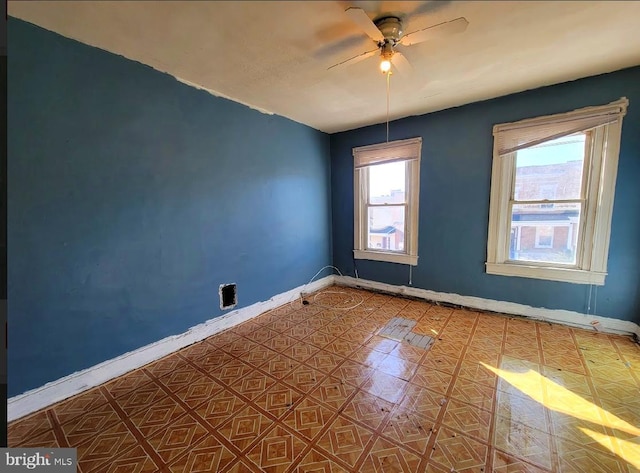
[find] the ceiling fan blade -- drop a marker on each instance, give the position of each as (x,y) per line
(433,32)
(355,59)
(360,18)
(401,63)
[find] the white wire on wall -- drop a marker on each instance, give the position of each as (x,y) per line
(353,299)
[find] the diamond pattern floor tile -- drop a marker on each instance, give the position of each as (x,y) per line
(126,384)
(157,416)
(368,356)
(212,362)
(277,450)
(301,351)
(367,409)
(333,392)
(397,367)
(304,378)
(134,460)
(279,366)
(381,344)
(386,456)
(205,456)
(477,394)
(258,355)
(427,403)
(308,418)
(522,409)
(280,343)
(184,376)
(446,364)
(431,379)
(84,427)
(458,452)
(353,373)
(386,386)
(318,462)
(253,384)
(575,457)
(45,439)
(141,398)
(177,438)
(199,391)
(529,444)
(79,405)
(166,365)
(324,361)
(345,440)
(244,428)
(504,463)
(105,446)
(196,351)
(468,419)
(27,428)
(313,390)
(220,407)
(409,429)
(278,400)
(478,373)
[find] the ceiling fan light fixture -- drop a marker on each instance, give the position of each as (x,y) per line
(386,53)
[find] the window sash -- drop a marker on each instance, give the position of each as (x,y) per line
(366,156)
(404,227)
(586,178)
(602,147)
(407,171)
(579,242)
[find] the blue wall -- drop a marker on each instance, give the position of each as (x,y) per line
(132,197)
(454,199)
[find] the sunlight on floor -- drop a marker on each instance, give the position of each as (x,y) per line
(560,399)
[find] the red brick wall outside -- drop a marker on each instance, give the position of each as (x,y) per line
(565,178)
(528,238)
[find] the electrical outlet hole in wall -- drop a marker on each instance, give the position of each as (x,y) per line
(228,296)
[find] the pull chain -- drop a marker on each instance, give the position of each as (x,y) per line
(388,94)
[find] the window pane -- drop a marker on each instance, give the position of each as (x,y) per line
(387,183)
(545,232)
(552,170)
(386,228)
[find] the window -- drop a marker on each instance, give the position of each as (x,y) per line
(386,193)
(544,236)
(552,190)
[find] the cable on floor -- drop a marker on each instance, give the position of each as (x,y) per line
(352,299)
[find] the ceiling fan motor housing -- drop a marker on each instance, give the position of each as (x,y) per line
(391,29)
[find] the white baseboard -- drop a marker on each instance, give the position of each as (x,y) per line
(565,317)
(63,388)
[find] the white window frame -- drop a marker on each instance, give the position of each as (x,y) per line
(601,165)
(408,151)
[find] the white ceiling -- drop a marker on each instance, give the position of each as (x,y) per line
(273,56)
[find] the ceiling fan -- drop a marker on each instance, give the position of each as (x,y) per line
(387,32)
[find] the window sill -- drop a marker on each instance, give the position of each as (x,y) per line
(387,257)
(576,276)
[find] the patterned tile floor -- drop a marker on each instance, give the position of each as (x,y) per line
(308,389)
